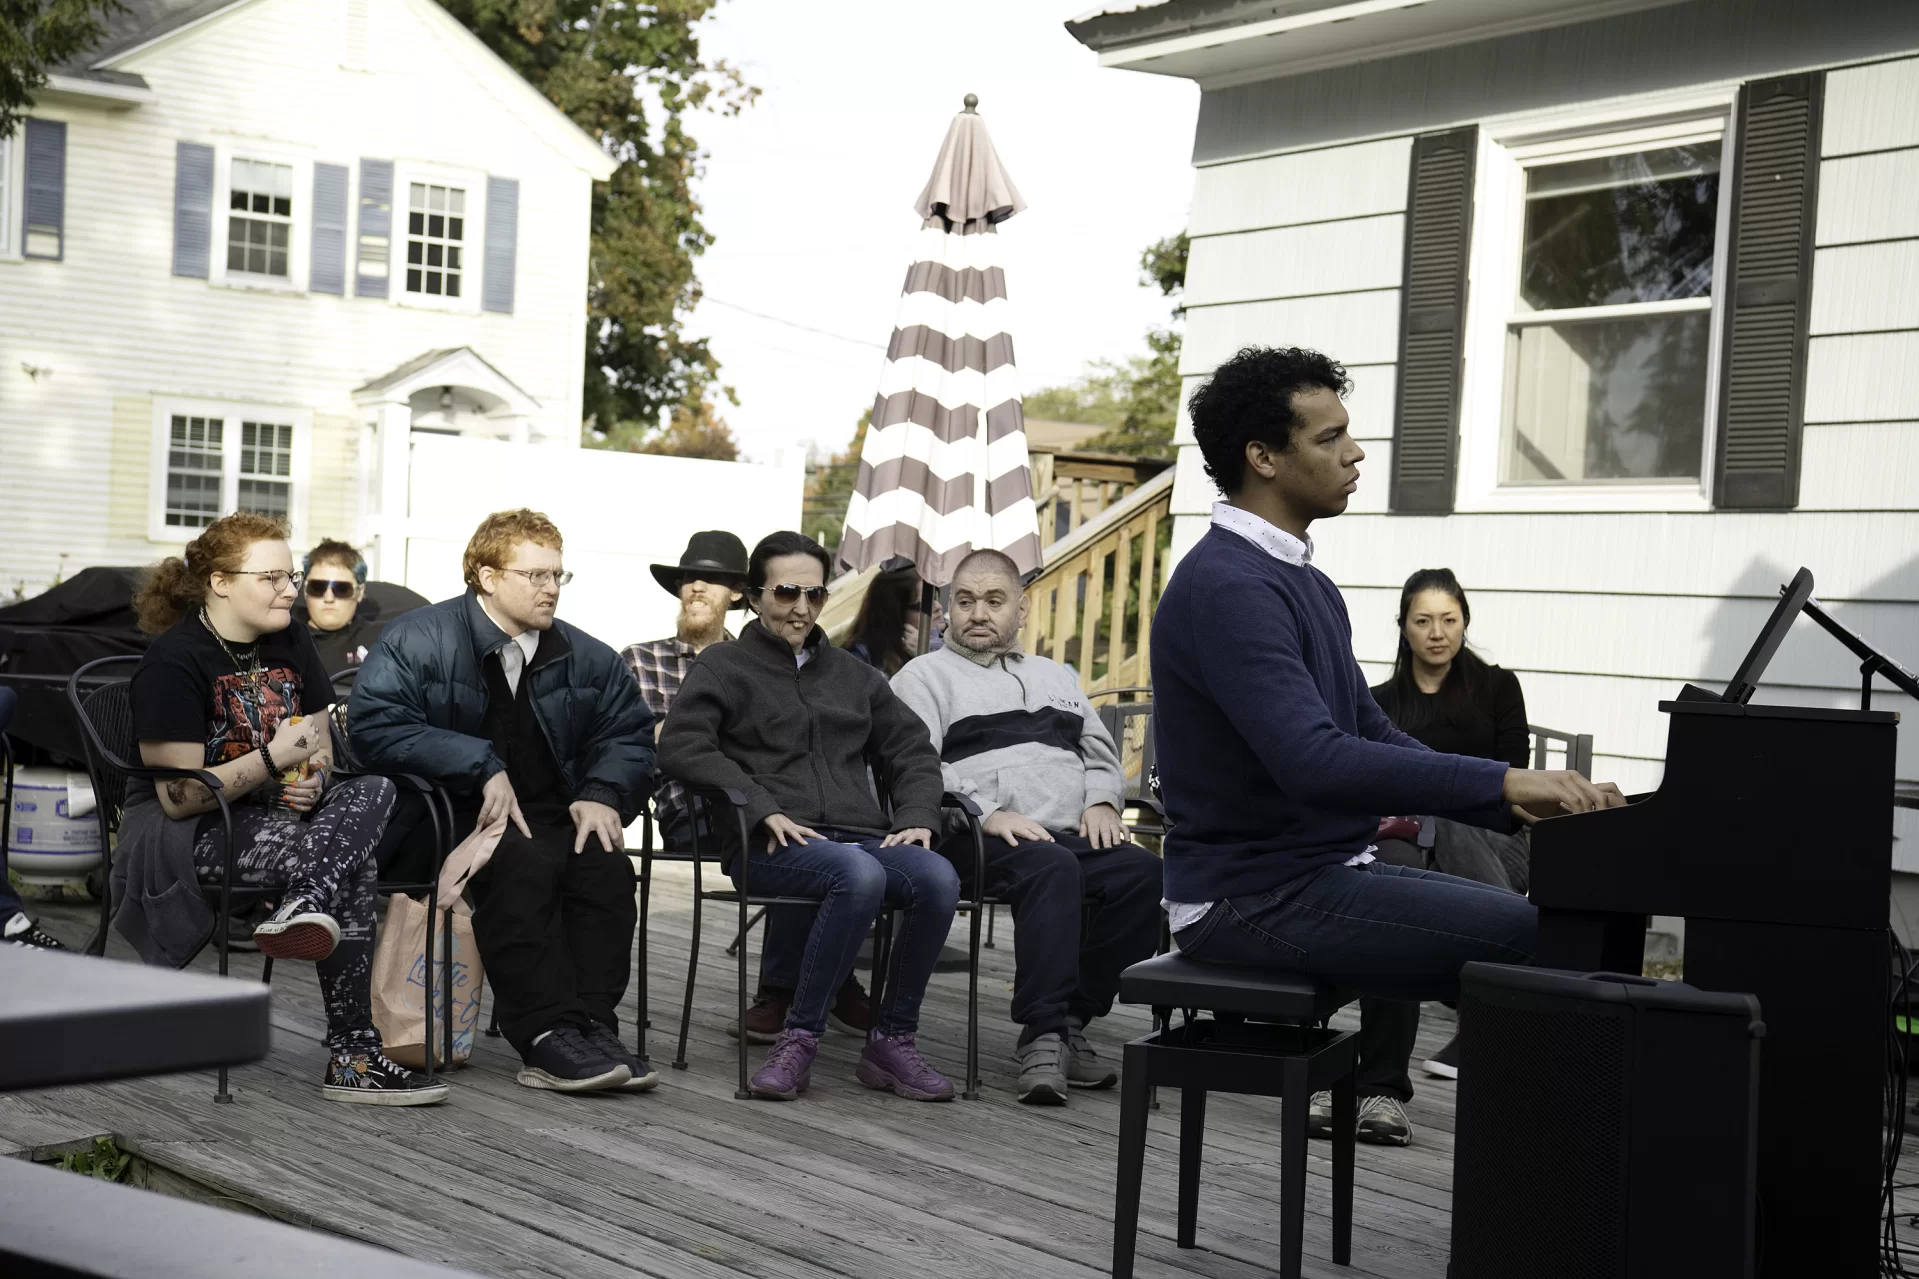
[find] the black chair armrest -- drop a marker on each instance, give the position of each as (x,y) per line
(731,794)
(202,775)
(965,803)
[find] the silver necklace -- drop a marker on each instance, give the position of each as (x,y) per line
(248,670)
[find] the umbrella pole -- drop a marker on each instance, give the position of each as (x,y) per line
(926,618)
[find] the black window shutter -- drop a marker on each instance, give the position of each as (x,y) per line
(1432,320)
(1768,288)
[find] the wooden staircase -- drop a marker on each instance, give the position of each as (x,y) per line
(1092,603)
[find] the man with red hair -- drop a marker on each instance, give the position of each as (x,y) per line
(527,719)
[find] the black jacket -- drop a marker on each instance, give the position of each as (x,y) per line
(798,739)
(419,706)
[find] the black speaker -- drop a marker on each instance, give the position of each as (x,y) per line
(1606,1127)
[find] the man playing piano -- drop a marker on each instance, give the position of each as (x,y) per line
(1276,764)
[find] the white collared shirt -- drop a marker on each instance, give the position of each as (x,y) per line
(518,655)
(1287,549)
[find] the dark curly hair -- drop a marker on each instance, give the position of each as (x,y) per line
(1250,397)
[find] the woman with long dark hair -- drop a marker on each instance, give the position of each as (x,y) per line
(232,684)
(1453,700)
(886,632)
(1442,692)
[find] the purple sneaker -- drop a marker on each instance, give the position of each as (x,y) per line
(895,1063)
(789,1066)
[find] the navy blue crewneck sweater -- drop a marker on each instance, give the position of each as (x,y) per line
(1274,760)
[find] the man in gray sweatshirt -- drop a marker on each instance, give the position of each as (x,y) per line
(1016,734)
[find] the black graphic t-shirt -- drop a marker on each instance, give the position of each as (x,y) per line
(187,689)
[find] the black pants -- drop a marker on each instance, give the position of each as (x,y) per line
(406,851)
(1062,970)
(555,930)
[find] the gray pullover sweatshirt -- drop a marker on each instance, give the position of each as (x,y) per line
(1016,733)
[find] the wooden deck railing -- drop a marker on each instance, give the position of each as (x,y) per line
(1092,604)
(1071,490)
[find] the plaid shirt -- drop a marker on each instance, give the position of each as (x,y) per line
(660,666)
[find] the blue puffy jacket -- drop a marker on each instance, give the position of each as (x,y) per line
(419,706)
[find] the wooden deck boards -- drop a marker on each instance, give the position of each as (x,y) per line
(688,1183)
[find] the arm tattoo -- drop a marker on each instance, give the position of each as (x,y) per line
(185,792)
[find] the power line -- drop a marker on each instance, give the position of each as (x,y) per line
(792,324)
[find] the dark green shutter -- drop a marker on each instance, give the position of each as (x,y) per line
(1768,288)
(1432,320)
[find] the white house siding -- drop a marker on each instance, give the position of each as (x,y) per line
(1604,614)
(118,329)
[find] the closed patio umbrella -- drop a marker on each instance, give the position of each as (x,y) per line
(943,471)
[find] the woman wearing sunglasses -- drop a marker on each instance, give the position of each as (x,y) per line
(232,684)
(794,723)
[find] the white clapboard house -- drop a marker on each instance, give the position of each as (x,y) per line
(1629,291)
(248,248)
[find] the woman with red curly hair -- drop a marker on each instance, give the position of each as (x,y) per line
(232,684)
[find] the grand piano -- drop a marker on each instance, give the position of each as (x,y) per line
(1771,834)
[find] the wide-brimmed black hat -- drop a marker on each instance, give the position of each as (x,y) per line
(714,555)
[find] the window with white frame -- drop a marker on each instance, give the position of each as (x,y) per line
(259,217)
(1609,338)
(435,239)
(214,462)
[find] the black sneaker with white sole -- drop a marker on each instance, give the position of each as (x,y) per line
(607,1041)
(1444,1064)
(562,1060)
(371,1079)
(18,930)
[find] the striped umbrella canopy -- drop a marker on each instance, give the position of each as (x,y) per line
(944,470)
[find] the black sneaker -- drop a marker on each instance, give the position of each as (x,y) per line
(21,931)
(562,1060)
(607,1041)
(370,1079)
(1444,1064)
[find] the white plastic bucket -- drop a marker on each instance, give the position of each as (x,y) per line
(47,844)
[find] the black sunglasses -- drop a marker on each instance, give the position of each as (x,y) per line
(787,593)
(319,588)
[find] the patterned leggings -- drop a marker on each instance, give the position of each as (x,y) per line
(328,860)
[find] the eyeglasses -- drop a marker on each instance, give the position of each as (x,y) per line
(543,577)
(787,593)
(279,579)
(319,588)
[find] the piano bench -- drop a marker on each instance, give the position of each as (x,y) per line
(1267,1037)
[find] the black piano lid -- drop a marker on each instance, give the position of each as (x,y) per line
(1757,710)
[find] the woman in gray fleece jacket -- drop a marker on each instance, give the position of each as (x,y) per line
(794,722)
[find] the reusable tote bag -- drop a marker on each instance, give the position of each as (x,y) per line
(400,977)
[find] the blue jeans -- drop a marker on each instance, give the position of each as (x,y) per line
(854,877)
(1394,932)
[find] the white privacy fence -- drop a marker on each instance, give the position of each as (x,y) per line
(619,512)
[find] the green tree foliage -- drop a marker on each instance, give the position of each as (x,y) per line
(829,487)
(1135,399)
(36,35)
(693,429)
(629,74)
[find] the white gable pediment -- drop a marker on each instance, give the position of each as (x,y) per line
(405,68)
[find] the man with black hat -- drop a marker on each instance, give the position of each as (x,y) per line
(709,581)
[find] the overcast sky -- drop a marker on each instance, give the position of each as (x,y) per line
(810,191)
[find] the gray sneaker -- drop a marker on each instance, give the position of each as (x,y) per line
(1084,1067)
(1383,1122)
(1319,1115)
(1042,1071)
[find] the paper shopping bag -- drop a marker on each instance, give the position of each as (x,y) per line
(401,978)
